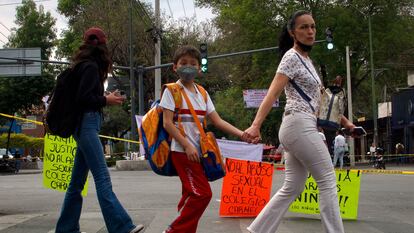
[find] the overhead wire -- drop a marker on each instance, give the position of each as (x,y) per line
(4,35)
(195,14)
(182,3)
(145,12)
(19,3)
(169,7)
(5,26)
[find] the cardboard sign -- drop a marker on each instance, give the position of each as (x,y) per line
(58,159)
(348,186)
(246,188)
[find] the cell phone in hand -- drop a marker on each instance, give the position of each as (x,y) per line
(358,131)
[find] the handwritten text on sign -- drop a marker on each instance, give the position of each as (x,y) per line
(348,185)
(246,188)
(59,156)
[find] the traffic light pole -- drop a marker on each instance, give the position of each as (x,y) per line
(350,113)
(133,135)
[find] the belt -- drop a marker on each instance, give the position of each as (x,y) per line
(289,112)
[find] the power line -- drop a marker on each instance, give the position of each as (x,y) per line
(4,35)
(5,27)
(145,11)
(2,41)
(195,14)
(138,12)
(169,7)
(182,3)
(19,3)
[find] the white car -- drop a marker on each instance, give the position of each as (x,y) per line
(3,153)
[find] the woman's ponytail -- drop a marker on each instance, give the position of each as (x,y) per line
(285,39)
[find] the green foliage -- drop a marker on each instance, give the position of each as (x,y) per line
(115,120)
(18,93)
(250,24)
(35,29)
(21,141)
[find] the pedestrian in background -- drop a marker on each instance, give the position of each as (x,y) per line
(339,149)
(305,150)
(372,151)
(322,134)
(93,64)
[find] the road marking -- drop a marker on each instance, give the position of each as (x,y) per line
(11,220)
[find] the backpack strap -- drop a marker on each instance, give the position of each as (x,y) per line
(204,94)
(175,90)
(194,114)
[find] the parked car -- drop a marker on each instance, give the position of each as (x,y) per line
(3,154)
(270,154)
(7,163)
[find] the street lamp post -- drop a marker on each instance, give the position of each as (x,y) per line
(374,105)
(371,62)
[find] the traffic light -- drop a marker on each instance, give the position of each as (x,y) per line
(329,38)
(204,58)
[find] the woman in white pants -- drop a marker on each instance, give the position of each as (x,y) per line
(305,150)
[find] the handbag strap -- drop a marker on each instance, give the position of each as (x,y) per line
(310,72)
(299,90)
(196,120)
(302,93)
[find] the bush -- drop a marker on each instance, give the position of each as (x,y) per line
(21,141)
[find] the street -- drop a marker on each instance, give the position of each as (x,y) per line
(386,205)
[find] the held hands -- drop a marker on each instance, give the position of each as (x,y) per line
(251,135)
(114,98)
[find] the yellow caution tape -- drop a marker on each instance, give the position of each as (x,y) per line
(372,171)
(20,118)
(41,123)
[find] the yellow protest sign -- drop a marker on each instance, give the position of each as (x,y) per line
(348,186)
(246,188)
(58,159)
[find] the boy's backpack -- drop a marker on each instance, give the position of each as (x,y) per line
(62,114)
(155,138)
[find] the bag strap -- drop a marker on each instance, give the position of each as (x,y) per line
(304,64)
(196,120)
(204,94)
(302,93)
(299,90)
(175,90)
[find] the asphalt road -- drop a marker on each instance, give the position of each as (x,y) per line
(386,205)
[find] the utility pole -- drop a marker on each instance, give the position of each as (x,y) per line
(132,81)
(157,29)
(374,105)
(350,113)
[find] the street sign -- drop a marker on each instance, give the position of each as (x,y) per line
(15,68)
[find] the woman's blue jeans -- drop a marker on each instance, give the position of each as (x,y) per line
(90,156)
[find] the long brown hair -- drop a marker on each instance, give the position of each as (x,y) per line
(98,53)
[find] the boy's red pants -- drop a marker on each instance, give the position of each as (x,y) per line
(196,194)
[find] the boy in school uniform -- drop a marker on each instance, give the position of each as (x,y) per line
(185,146)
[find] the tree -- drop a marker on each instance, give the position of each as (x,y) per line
(250,24)
(35,29)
